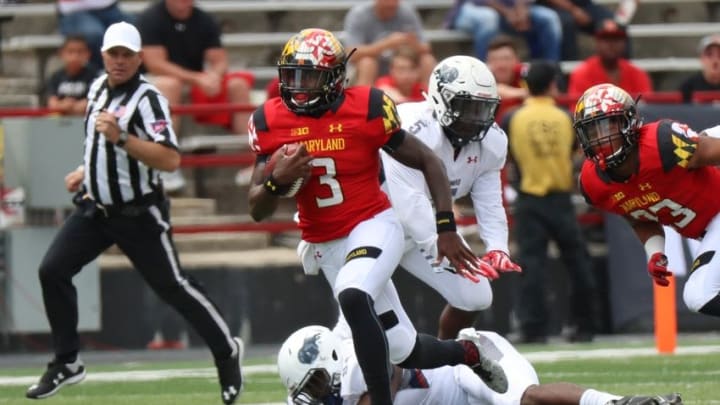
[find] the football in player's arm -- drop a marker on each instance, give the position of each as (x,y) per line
(346,221)
(654,174)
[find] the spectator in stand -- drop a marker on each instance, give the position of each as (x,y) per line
(403,82)
(504,63)
(376,29)
(484,19)
(709,78)
(608,65)
(183,52)
(90,18)
(68,86)
(542,144)
(577,15)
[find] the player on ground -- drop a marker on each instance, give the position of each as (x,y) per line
(457,123)
(653,175)
(345,218)
(319,366)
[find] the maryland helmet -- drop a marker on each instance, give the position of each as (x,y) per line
(311,70)
(310,365)
(463,93)
(607,124)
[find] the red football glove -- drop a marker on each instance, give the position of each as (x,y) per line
(657,267)
(500,261)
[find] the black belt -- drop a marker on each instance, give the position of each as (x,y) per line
(91,208)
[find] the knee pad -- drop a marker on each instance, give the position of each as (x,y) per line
(711,307)
(354,301)
(400,337)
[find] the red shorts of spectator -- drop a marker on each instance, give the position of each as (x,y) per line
(220,118)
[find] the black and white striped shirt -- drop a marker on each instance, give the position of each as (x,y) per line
(112,177)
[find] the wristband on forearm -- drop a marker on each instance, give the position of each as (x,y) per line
(445,221)
(272,186)
(654,244)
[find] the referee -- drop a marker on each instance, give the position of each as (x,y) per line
(128,140)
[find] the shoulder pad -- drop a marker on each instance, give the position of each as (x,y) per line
(676,144)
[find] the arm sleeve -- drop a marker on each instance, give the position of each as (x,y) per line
(155,119)
(486,195)
(409,197)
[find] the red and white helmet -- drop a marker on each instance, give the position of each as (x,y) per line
(311,69)
(607,124)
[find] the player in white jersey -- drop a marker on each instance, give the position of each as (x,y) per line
(457,123)
(318,366)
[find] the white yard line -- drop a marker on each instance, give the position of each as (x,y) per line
(534,357)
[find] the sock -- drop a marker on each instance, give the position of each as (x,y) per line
(67,358)
(430,352)
(593,397)
(369,341)
(471,353)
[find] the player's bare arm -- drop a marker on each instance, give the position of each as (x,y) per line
(645,229)
(288,168)
(707,152)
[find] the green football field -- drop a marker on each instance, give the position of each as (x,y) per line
(618,367)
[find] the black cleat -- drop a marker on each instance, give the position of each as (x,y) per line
(669,399)
(55,377)
(230,375)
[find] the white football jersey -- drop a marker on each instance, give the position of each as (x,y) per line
(475,171)
(457,385)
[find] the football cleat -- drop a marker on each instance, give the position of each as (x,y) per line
(489,370)
(669,399)
(230,375)
(55,377)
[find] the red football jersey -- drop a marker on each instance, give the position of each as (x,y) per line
(344,189)
(663,190)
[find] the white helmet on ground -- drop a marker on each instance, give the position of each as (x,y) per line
(310,365)
(463,93)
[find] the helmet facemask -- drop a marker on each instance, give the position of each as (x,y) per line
(607,140)
(467,118)
(318,387)
(308,89)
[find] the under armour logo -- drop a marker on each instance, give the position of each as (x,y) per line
(472,159)
(645,186)
(335,127)
(229,393)
(318,255)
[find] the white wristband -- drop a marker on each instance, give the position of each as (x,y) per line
(713,132)
(654,244)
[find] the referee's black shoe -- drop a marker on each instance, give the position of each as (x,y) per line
(55,377)
(230,375)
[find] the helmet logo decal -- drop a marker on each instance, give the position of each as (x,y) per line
(603,100)
(447,74)
(318,48)
(309,351)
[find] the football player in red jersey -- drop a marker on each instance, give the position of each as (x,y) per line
(654,174)
(346,220)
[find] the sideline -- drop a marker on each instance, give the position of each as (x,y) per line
(533,357)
